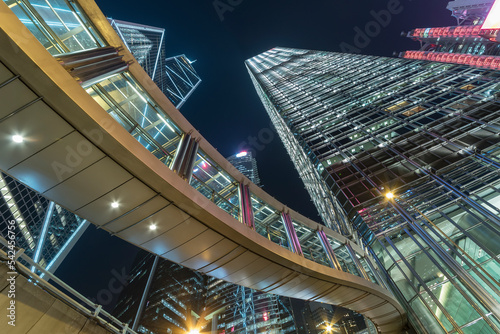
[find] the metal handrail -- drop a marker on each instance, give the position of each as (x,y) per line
(90,310)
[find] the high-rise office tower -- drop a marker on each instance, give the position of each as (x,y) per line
(181,79)
(236,309)
(319,318)
(147,45)
(404,154)
(246,164)
(175,76)
(161,297)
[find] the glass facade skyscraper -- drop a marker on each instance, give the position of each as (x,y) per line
(45,230)
(147,45)
(181,79)
(246,164)
(175,76)
(161,297)
(405,156)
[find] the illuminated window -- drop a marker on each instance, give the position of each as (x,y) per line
(397,106)
(413,111)
(468,87)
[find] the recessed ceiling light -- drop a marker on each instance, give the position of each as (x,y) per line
(17,139)
(114,205)
(152,227)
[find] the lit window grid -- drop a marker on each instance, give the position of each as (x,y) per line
(125,100)
(366,144)
(17,215)
(59,24)
(482,178)
(23,202)
(330,211)
(434,281)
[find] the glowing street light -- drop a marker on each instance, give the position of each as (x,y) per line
(389,195)
(194,331)
(329,328)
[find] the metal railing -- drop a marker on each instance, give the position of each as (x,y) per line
(79,302)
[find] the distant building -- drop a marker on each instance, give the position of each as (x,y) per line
(324,319)
(246,164)
(161,297)
(175,76)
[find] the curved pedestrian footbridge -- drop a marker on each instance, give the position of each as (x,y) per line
(83,124)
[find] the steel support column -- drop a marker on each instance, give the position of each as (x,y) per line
(145,294)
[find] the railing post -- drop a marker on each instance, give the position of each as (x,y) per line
(356,262)
(330,254)
(246,208)
(379,278)
(293,240)
(185,157)
(92,66)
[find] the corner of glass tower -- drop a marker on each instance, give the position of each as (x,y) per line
(404,152)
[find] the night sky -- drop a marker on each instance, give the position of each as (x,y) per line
(225,108)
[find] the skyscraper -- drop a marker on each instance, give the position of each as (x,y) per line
(161,297)
(175,76)
(404,154)
(246,164)
(181,79)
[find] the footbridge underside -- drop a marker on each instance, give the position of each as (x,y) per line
(77,155)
